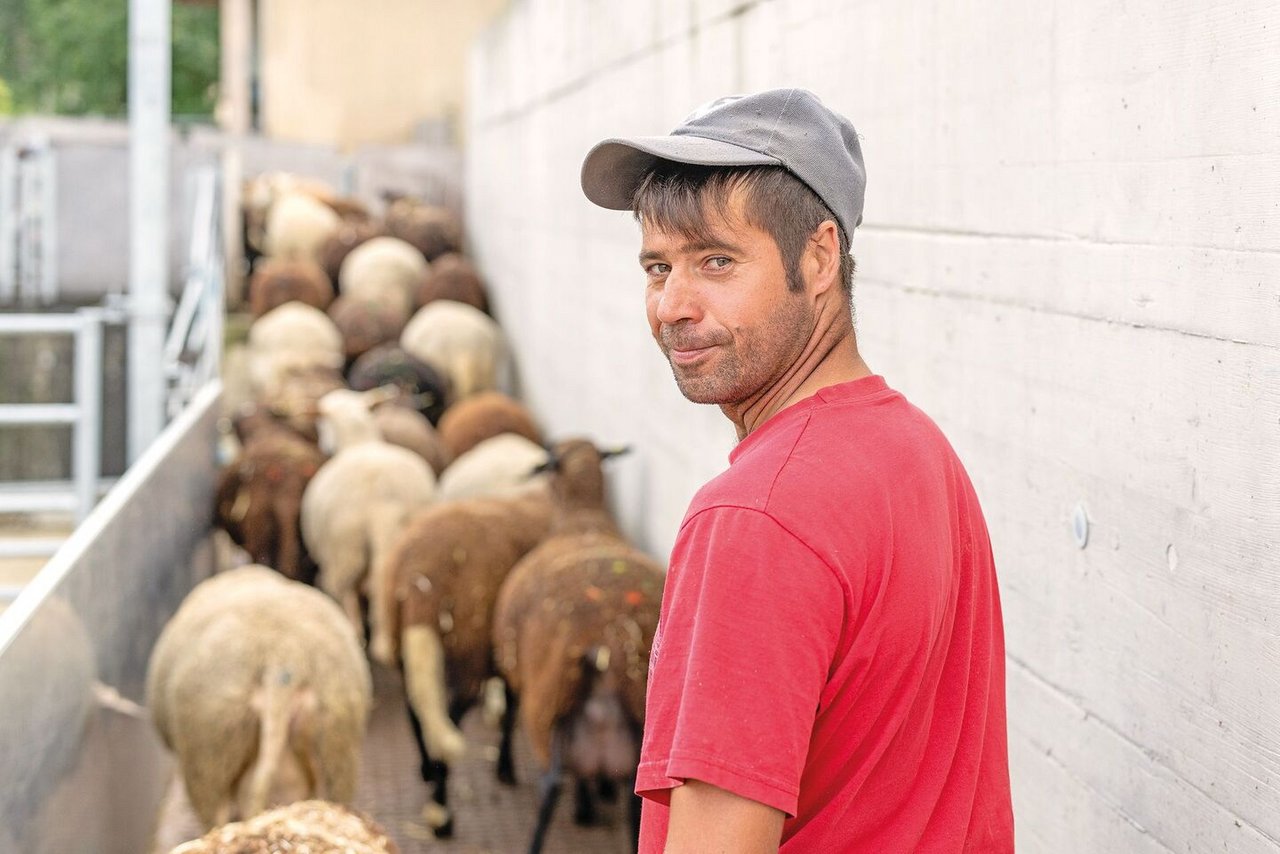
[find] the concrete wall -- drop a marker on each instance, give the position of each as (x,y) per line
(1070,258)
(346,74)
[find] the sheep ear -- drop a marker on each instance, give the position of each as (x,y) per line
(552,463)
(606,453)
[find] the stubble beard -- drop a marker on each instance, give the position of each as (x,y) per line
(747,367)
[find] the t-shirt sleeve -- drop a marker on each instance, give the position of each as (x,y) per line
(751,622)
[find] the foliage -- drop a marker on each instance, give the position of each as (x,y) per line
(71,56)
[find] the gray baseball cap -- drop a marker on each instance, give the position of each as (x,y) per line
(779,127)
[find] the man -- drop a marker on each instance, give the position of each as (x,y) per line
(828,674)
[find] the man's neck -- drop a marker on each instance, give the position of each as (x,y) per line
(830,358)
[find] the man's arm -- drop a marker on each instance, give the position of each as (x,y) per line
(709,820)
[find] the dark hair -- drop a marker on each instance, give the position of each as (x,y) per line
(674,197)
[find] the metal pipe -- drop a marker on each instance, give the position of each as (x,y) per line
(29,414)
(8,224)
(149,96)
(86,465)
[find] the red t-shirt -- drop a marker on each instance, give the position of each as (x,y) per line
(830,642)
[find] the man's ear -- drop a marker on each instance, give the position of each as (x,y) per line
(822,257)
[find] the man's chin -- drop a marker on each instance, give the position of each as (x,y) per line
(699,389)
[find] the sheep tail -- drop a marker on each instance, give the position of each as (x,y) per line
(274,702)
(386,521)
(425,685)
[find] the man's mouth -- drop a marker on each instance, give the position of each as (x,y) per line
(687,355)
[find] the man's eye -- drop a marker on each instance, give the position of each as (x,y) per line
(658,269)
(719,262)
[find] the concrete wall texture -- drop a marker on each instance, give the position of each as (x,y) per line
(1070,259)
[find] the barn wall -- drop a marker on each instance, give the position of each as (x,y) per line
(1070,258)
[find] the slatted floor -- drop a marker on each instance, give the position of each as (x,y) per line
(489,818)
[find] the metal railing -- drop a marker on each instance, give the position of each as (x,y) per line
(28,223)
(83,414)
(193,348)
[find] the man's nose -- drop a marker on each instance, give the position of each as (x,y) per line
(679,298)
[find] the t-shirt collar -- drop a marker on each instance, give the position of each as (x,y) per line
(838,393)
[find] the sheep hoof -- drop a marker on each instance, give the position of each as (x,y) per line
(438,819)
(381,651)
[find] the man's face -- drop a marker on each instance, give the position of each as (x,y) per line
(720,309)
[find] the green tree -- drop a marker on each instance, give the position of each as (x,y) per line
(71,56)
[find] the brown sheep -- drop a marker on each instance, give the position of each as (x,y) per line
(446,570)
(453,277)
(364,324)
(401,424)
(483,416)
(434,230)
(276,282)
(338,246)
(572,630)
(259,496)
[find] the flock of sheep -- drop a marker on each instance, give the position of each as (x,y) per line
(386,489)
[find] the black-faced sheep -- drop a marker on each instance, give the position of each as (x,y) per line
(482,416)
(461,342)
(259,495)
(453,277)
(305,827)
(389,364)
(358,502)
(276,282)
(572,630)
(446,570)
(260,688)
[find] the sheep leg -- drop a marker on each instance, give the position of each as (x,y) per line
(436,775)
(506,755)
(549,787)
(607,787)
(584,804)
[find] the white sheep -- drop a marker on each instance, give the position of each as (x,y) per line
(461,341)
(291,337)
(297,225)
(357,503)
(260,688)
(385,271)
(302,827)
(502,465)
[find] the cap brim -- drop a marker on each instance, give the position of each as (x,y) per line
(613,169)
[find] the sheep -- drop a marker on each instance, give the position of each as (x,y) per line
(260,688)
(433,230)
(453,277)
(276,282)
(483,416)
(291,337)
(318,826)
(389,364)
(497,466)
(364,324)
(259,494)
(446,569)
(338,245)
(357,503)
(259,193)
(297,226)
(385,270)
(402,425)
(572,630)
(460,341)
(296,398)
